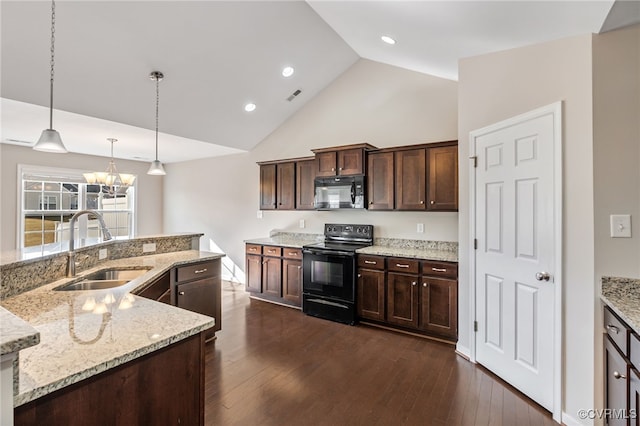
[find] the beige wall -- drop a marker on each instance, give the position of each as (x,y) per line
(498,86)
(149,188)
(372,102)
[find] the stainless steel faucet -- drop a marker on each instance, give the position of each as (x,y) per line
(106,236)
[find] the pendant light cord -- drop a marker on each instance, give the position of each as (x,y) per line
(53,41)
(157,106)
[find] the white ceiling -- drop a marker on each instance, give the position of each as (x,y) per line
(216,56)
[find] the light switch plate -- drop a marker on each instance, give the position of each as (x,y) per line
(620,225)
(102,254)
(149,247)
(301,223)
(259,214)
(420,228)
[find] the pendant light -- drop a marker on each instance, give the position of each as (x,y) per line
(113,181)
(50,140)
(156,167)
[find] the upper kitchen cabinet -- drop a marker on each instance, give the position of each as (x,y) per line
(277,185)
(305,174)
(443,178)
(347,160)
(411,179)
(380,174)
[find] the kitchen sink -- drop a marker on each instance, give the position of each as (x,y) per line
(104,279)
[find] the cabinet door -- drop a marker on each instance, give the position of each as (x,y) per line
(305,193)
(254,273)
(402,299)
(158,290)
(439,306)
(380,181)
(198,296)
(634,397)
(326,163)
(350,162)
(616,373)
(411,179)
(268,187)
(443,178)
(371,294)
(292,280)
(272,276)
(286,180)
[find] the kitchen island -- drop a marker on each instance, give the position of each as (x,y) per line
(109,356)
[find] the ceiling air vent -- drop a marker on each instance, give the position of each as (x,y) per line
(293,95)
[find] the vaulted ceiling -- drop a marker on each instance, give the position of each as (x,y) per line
(217,56)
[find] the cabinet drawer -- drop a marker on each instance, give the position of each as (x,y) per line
(291,253)
(616,329)
(370,262)
(254,249)
(272,251)
(440,269)
(634,349)
(197,270)
(399,264)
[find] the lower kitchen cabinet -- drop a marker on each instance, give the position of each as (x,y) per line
(413,295)
(275,275)
(616,373)
(195,287)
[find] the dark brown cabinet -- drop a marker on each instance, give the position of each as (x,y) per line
(268,187)
(371,287)
(341,161)
(410,182)
(274,273)
(292,275)
(305,174)
(418,296)
(380,178)
(616,373)
(198,289)
(195,287)
(286,180)
(442,180)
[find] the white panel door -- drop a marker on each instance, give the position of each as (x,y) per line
(515,232)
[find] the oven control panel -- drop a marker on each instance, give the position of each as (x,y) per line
(348,232)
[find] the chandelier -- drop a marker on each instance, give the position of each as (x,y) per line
(110,179)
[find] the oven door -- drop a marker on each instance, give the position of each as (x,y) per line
(329,274)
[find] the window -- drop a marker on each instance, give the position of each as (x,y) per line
(50,197)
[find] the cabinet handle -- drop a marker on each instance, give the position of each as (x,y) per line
(613,328)
(333,169)
(271,251)
(252,249)
(421,202)
(299,267)
(370,202)
(439,269)
(370,262)
(181,293)
(424,284)
(359,275)
(264,262)
(340,168)
(293,253)
(401,265)
(414,283)
(432,202)
(618,375)
(199,271)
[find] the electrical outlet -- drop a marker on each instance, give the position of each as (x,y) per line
(149,247)
(420,228)
(259,214)
(102,254)
(620,225)
(301,223)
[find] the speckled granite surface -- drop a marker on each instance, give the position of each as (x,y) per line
(416,249)
(287,239)
(623,296)
(83,333)
(21,274)
(15,334)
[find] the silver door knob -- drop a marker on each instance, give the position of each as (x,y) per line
(542,276)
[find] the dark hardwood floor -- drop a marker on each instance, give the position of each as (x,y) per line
(273,365)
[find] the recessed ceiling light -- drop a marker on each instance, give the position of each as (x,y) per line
(388,39)
(250,107)
(287,71)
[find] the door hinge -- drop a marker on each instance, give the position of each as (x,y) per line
(475,244)
(475,160)
(475,326)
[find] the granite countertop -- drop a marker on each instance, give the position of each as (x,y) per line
(623,296)
(83,333)
(287,240)
(15,334)
(414,253)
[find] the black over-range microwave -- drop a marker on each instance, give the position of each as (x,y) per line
(339,192)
